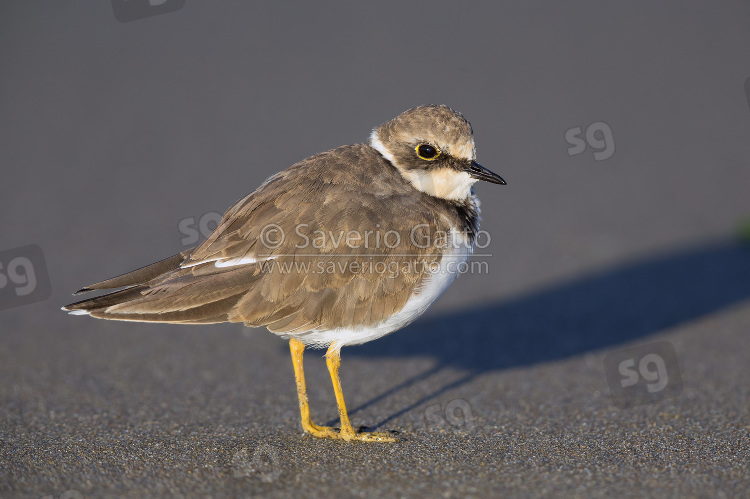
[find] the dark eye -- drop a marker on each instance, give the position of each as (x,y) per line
(428,152)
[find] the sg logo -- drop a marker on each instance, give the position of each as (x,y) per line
(598,136)
(206,225)
(23,277)
(643,374)
(457,414)
(656,380)
(132,10)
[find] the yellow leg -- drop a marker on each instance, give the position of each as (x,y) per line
(297,348)
(333,360)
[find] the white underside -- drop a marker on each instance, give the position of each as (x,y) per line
(433,287)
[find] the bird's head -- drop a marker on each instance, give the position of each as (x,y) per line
(433,148)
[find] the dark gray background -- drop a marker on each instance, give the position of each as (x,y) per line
(111,133)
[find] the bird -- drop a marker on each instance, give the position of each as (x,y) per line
(339,249)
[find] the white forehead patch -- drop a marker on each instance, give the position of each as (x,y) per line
(464,150)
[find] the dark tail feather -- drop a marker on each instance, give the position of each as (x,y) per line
(138,276)
(164,292)
(210,313)
(104,301)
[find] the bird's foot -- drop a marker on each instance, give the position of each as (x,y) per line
(320,431)
(348,434)
(372,436)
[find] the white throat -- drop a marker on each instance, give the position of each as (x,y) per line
(443,183)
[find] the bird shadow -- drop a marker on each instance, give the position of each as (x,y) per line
(598,311)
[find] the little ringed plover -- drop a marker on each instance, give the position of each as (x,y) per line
(339,249)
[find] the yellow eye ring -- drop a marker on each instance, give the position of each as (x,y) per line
(427,152)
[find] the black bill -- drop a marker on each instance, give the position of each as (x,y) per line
(479,172)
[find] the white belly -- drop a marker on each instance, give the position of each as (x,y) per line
(432,288)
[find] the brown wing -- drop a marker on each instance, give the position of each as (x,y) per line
(310,249)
